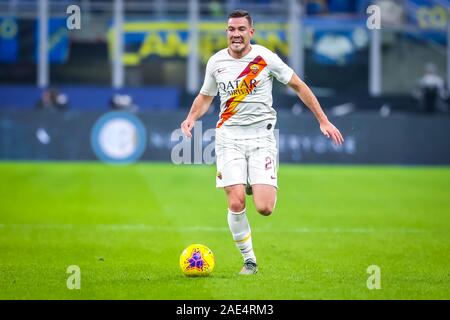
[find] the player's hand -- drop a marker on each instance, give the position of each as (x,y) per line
(330,131)
(186,127)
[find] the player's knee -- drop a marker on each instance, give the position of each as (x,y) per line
(265,209)
(237,204)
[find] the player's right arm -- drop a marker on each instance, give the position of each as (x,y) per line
(203,100)
(199,107)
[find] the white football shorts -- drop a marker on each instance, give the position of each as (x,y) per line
(242,161)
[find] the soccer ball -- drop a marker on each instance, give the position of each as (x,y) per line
(197,260)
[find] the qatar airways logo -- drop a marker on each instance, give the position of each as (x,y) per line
(233,88)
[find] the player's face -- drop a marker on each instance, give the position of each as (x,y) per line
(239,34)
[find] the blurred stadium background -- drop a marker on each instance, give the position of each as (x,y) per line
(148,57)
(116,89)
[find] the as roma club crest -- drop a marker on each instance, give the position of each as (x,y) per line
(254,68)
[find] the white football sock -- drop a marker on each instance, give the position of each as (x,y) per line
(240,229)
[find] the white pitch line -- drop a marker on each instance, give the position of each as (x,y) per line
(148,227)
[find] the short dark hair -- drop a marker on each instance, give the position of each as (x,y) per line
(241,14)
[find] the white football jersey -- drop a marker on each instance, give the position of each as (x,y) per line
(245,88)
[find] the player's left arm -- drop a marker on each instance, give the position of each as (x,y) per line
(309,99)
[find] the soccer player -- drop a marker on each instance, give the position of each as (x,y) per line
(246,149)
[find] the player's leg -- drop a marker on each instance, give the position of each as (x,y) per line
(263,174)
(235,197)
(240,227)
(232,176)
(265,198)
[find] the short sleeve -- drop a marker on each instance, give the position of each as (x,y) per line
(209,87)
(280,70)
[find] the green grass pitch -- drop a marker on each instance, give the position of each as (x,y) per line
(125,227)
